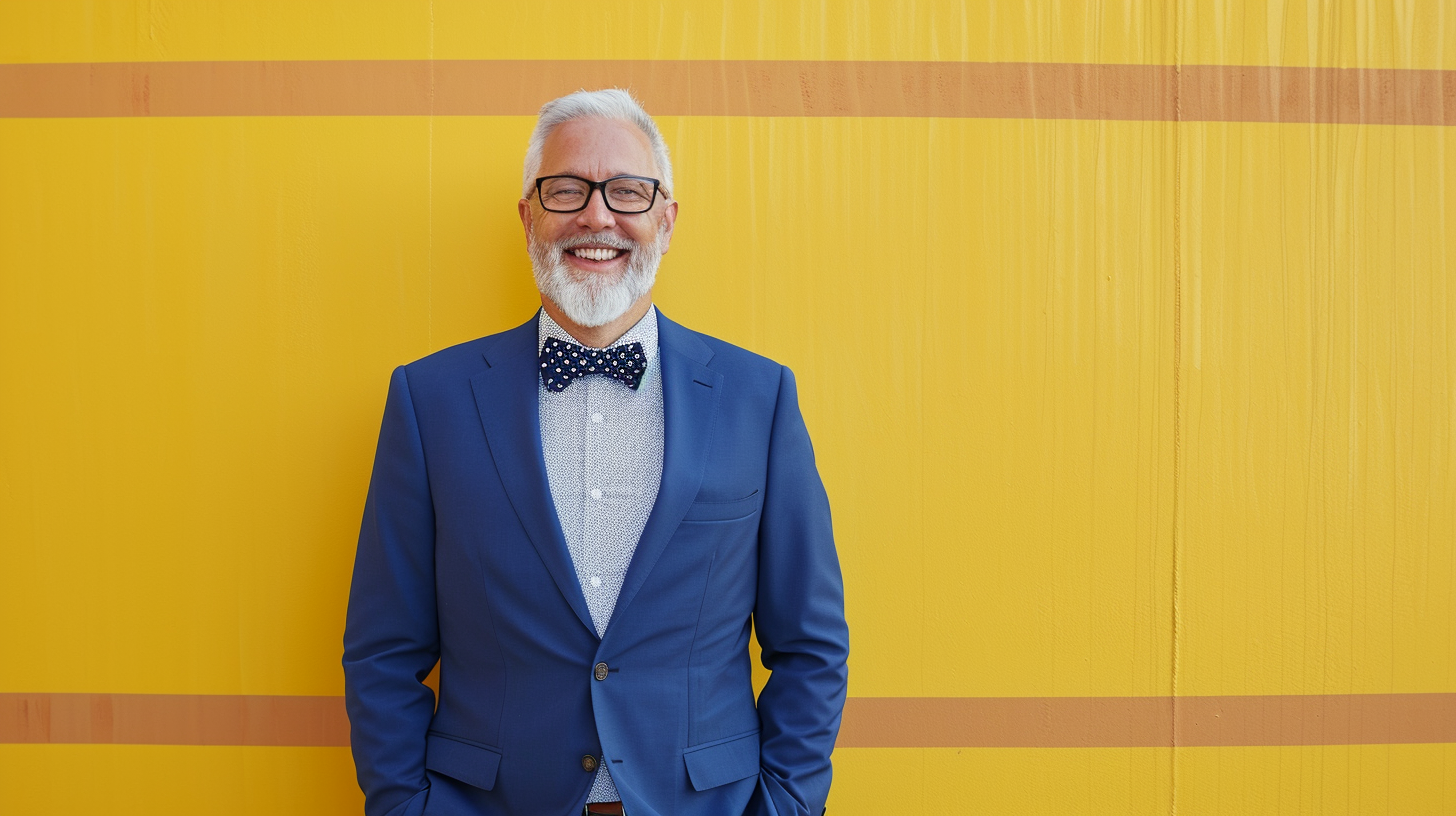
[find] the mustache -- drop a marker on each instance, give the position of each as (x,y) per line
(599,238)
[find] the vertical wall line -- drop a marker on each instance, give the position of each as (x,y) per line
(430,196)
(1175,538)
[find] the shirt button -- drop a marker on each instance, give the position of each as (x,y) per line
(596,494)
(596,417)
(588,763)
(596,581)
(600,671)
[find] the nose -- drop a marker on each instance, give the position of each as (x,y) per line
(596,216)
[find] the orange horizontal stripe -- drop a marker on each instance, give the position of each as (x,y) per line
(869,722)
(173,719)
(1003,90)
(1147,722)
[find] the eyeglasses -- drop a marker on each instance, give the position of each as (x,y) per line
(622,194)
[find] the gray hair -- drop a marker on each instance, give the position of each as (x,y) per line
(610,103)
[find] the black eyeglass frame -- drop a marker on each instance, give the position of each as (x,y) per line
(601,187)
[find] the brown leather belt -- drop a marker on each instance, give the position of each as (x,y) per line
(603,808)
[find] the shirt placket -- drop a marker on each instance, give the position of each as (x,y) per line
(595,498)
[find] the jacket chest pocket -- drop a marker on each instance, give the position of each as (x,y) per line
(724,510)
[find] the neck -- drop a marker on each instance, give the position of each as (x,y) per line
(605,334)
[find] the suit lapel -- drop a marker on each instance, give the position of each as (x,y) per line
(507,399)
(690,393)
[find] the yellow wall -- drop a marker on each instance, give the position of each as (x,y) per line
(1158,408)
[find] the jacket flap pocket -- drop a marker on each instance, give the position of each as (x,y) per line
(723,511)
(721,762)
(470,763)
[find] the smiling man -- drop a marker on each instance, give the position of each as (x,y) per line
(581,520)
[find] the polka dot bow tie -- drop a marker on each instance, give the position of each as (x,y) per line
(563,362)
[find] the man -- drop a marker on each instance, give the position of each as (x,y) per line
(578,518)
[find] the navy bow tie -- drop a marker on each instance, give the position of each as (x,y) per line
(563,362)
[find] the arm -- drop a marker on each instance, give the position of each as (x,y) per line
(391,638)
(799,620)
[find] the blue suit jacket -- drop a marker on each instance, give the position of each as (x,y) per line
(461,560)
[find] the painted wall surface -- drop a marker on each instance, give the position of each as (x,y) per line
(1149,417)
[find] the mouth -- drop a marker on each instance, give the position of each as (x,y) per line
(596,254)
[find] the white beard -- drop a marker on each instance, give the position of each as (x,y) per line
(589,299)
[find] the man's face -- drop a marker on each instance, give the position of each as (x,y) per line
(596,263)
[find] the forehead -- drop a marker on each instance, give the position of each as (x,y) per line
(597,148)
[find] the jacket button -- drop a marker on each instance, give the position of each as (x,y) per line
(600,672)
(588,763)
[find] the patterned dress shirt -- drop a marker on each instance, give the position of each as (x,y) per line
(603,448)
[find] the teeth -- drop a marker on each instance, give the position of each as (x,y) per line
(595,253)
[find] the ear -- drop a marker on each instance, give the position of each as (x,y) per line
(669,218)
(524,208)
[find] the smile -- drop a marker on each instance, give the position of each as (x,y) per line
(595,253)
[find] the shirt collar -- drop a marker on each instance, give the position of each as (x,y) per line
(644,331)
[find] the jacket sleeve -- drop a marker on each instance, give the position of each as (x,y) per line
(799,620)
(391,636)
